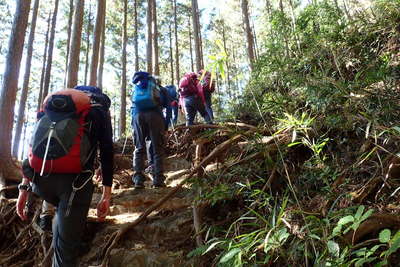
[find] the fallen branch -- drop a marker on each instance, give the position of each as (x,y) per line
(114,239)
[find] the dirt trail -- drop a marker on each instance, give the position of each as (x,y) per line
(163,239)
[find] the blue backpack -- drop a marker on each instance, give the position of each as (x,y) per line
(146,94)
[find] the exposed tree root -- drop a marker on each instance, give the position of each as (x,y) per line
(113,241)
(372,226)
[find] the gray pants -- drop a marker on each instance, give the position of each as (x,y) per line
(192,105)
(67,230)
(150,125)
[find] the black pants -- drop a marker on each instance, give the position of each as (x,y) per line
(67,230)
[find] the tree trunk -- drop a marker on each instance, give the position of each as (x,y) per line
(228,78)
(247,29)
(123,78)
(50,52)
(155,39)
(71,13)
(25,86)
(171,54)
(88,30)
(287,52)
(136,37)
(176,42)
(98,30)
(200,38)
(190,45)
(102,50)
(46,45)
(149,53)
(196,31)
(9,89)
(256,51)
(22,156)
(73,65)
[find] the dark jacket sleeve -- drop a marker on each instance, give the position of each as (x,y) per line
(105,144)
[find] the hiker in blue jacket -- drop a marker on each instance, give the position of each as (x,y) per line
(72,192)
(148,124)
(171,112)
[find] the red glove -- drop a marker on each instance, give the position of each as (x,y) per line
(174,103)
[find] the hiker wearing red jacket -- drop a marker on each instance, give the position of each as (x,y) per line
(193,98)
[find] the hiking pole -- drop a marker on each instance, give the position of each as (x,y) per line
(173,130)
(123,148)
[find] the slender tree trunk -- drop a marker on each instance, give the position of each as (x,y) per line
(136,37)
(287,51)
(200,37)
(293,17)
(155,39)
(73,65)
(46,45)
(123,78)
(268,7)
(22,156)
(9,89)
(149,36)
(247,29)
(171,54)
(88,30)
(256,51)
(98,30)
(25,86)
(70,15)
(176,42)
(190,44)
(50,53)
(102,50)
(228,78)
(196,31)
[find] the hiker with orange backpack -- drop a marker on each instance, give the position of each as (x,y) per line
(192,94)
(72,126)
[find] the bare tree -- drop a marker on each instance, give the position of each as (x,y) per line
(190,43)
(176,42)
(196,31)
(155,39)
(123,76)
(46,45)
(135,38)
(247,29)
(70,14)
(25,86)
(96,41)
(9,90)
(149,53)
(102,50)
(75,46)
(50,52)
(171,55)
(88,30)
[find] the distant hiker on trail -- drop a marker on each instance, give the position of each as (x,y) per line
(193,98)
(147,123)
(208,85)
(72,125)
(171,113)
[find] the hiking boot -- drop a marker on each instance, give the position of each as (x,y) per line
(159,185)
(45,223)
(158,181)
(138,180)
